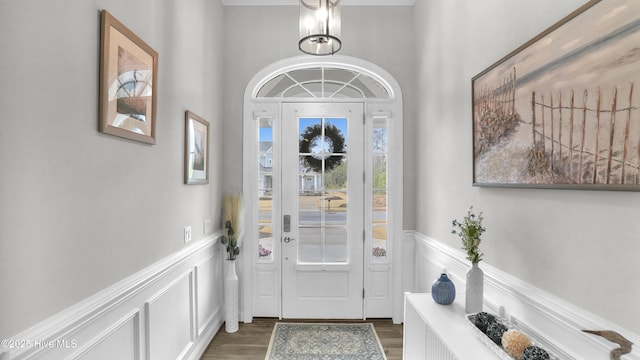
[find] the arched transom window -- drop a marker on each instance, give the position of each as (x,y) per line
(324,83)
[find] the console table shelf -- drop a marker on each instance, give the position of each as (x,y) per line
(440,332)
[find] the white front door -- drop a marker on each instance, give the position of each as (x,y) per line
(322,210)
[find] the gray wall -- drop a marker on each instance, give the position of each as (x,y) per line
(259,36)
(81,210)
(582,246)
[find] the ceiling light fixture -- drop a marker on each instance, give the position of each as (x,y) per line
(320,27)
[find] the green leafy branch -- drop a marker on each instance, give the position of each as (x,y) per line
(470,230)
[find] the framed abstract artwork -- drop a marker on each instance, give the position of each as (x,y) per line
(196,149)
(128,74)
(563,110)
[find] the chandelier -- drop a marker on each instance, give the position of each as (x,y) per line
(319,27)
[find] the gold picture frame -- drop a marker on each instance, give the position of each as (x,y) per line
(128,79)
(196,149)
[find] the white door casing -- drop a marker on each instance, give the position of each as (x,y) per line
(265,96)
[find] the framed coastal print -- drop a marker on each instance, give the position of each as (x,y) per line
(128,73)
(196,149)
(563,110)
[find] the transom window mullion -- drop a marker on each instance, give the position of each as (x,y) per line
(298,84)
(347,84)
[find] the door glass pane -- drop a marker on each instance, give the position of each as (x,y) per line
(334,200)
(265,189)
(322,190)
(379,251)
(309,197)
(336,244)
(336,131)
(310,248)
(379,226)
(379,171)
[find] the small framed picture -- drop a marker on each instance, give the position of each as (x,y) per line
(128,73)
(196,149)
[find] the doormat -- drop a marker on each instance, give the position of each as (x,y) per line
(315,341)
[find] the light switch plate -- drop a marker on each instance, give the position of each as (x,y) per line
(187,234)
(207,228)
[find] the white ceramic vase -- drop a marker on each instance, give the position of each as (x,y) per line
(230,297)
(474,296)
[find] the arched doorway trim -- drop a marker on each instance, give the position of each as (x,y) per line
(319,79)
(358,66)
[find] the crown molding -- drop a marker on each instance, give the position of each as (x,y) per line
(296,2)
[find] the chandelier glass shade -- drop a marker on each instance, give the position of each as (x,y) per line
(320,27)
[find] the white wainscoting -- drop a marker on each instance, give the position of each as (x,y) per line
(170,310)
(542,315)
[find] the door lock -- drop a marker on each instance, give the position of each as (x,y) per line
(286,223)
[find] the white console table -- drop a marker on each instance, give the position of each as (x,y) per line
(440,332)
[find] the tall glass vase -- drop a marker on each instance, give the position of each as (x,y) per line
(230,297)
(474,289)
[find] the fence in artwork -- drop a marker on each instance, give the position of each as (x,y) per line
(495,114)
(584,143)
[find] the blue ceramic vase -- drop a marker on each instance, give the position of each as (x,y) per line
(443,290)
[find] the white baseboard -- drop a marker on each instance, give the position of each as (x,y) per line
(557,323)
(169,310)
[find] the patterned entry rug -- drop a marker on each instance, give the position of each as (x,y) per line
(304,341)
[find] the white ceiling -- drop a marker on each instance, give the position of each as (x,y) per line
(344,2)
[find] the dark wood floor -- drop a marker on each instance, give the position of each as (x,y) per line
(252,340)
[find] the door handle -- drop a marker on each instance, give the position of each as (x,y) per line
(288,239)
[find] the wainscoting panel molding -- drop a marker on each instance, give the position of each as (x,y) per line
(378,297)
(207,301)
(266,299)
(556,322)
(169,310)
(120,341)
(170,320)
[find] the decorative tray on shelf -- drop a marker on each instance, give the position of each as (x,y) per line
(491,330)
